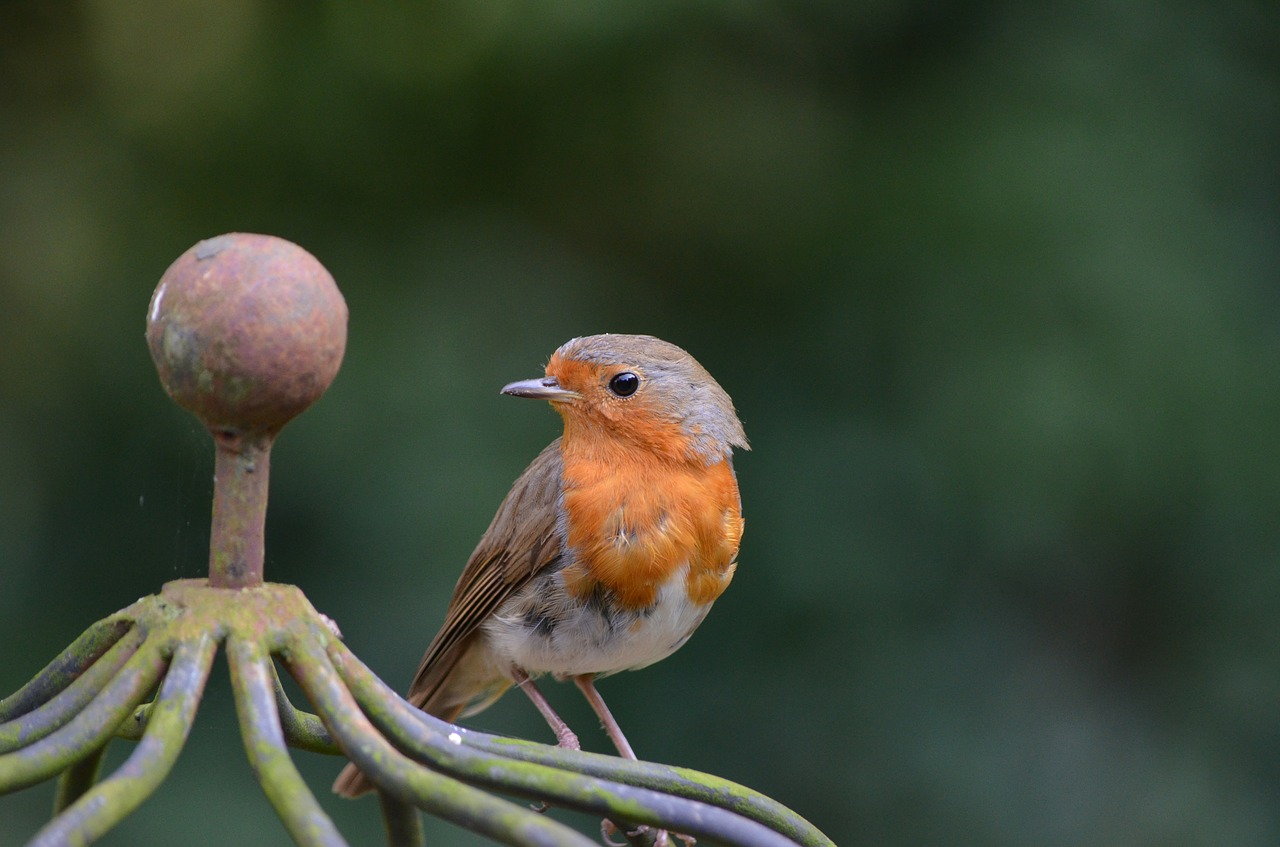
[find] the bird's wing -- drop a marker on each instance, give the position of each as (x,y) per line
(520,542)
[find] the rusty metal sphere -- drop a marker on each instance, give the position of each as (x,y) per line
(246,331)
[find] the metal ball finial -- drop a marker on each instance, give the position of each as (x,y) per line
(246,331)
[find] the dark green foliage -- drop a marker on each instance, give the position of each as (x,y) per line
(994,287)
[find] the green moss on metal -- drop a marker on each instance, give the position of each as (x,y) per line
(354,709)
(67,667)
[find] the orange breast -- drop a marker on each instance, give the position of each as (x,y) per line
(634,519)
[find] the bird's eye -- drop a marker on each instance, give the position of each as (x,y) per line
(624,384)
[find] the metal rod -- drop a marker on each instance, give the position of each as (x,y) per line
(681,782)
(107,803)
(241,473)
(133,727)
(88,730)
(65,668)
(302,730)
(78,779)
(402,821)
(501,820)
(67,703)
(589,794)
(251,675)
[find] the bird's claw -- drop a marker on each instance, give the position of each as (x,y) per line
(641,836)
(607,830)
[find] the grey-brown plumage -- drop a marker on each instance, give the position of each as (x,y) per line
(610,547)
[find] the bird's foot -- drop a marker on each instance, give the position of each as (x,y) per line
(641,836)
(607,830)
(566,738)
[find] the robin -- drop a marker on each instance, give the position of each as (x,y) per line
(609,549)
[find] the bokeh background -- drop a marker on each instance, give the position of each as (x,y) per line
(994,286)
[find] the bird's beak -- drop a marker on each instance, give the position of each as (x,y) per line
(542,388)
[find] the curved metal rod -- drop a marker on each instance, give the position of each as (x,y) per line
(402,822)
(438,795)
(107,803)
(614,800)
(681,782)
(65,668)
(91,728)
(302,730)
(63,706)
(133,727)
(251,675)
(78,779)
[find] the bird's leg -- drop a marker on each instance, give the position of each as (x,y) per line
(587,685)
(564,736)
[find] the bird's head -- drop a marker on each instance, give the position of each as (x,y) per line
(641,390)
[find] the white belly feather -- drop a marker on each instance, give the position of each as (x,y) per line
(542,630)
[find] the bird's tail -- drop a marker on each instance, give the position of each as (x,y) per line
(352,782)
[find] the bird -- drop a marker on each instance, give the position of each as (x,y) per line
(609,549)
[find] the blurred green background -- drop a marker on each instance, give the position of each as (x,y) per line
(994,286)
